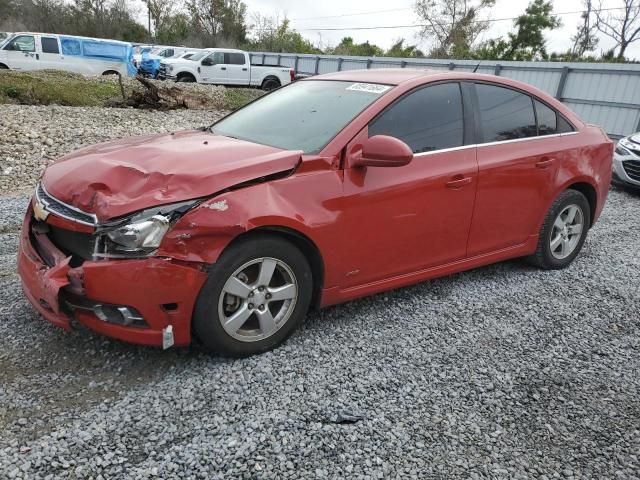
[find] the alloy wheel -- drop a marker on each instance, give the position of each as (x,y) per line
(567,231)
(257,299)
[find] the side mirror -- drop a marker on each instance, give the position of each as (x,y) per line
(207,62)
(382,151)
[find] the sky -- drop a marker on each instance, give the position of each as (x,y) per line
(306,15)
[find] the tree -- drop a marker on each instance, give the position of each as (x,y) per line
(623,28)
(453,25)
(273,35)
(160,12)
(399,50)
(585,40)
(348,47)
(528,43)
(175,30)
(218,21)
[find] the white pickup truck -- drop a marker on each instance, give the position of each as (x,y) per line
(222,66)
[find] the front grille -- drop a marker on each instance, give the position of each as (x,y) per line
(163,71)
(63,210)
(75,244)
(632,168)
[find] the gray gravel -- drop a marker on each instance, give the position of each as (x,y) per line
(501,372)
(32,137)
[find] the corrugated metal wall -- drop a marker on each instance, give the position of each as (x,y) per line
(604,94)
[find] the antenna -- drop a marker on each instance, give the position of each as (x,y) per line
(476,69)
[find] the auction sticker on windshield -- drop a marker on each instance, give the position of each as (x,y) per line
(369,87)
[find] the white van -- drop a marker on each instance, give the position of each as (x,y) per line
(25,51)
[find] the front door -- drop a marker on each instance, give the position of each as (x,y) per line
(21,53)
(213,69)
(406,219)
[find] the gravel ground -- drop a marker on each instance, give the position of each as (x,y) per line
(33,137)
(501,372)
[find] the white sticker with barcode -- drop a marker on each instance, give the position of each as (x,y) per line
(369,88)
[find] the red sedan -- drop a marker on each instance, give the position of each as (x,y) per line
(329,189)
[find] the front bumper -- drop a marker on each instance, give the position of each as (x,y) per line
(161,290)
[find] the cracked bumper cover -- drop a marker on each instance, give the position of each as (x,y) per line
(145,284)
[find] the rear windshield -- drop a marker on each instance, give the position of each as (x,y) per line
(303,116)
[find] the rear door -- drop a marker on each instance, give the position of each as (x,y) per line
(418,216)
(237,68)
(213,69)
(21,53)
(517,168)
(50,57)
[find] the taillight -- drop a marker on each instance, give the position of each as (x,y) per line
(292,74)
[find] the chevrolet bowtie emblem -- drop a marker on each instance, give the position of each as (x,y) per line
(39,212)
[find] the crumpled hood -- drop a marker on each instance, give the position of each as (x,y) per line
(119,177)
(635,138)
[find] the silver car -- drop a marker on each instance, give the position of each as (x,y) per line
(626,161)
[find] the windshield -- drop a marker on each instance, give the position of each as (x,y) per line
(198,56)
(303,116)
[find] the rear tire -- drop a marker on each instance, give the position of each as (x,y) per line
(264,308)
(110,72)
(270,84)
(563,232)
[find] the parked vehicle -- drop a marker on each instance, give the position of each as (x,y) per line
(189,55)
(148,59)
(626,161)
(27,51)
(332,188)
(227,67)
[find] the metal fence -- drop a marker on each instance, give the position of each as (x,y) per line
(604,94)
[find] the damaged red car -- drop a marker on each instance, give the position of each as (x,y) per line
(332,188)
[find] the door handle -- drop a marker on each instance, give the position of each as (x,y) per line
(37,56)
(244,69)
(458,182)
(545,162)
(223,68)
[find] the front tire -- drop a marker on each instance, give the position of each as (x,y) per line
(186,79)
(563,232)
(256,294)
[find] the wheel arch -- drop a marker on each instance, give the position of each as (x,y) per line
(307,246)
(270,77)
(110,72)
(184,74)
(4,66)
(590,192)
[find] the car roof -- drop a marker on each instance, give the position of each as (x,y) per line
(389,76)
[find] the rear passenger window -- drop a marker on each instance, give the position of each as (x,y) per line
(49,45)
(426,120)
(234,58)
(547,119)
(505,114)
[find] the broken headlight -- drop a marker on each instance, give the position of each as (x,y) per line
(139,234)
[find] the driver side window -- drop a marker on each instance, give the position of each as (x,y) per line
(215,59)
(23,43)
(428,119)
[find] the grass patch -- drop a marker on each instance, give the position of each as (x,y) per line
(239,97)
(52,87)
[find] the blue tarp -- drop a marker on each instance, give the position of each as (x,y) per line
(99,49)
(150,64)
